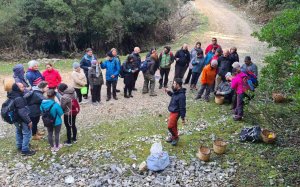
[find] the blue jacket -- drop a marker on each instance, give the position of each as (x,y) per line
(56,110)
(178,102)
(86,62)
(208,57)
(34,77)
(198,65)
(112,68)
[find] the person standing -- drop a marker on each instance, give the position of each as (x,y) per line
(128,70)
(234,56)
(136,63)
(85,64)
(149,74)
(51,76)
(114,52)
(112,72)
(23,124)
(34,100)
(207,80)
(224,66)
(19,76)
(33,74)
(96,82)
(79,80)
(198,65)
(182,58)
(214,45)
(177,109)
(249,66)
(166,58)
(193,54)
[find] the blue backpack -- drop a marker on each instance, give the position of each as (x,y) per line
(144,66)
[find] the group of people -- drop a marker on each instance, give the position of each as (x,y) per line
(37,94)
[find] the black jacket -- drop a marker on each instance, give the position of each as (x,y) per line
(128,68)
(178,102)
(136,60)
(184,58)
(234,57)
(224,66)
(20,105)
(34,100)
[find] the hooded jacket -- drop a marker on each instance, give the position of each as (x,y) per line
(112,68)
(79,79)
(193,57)
(93,79)
(34,77)
(19,75)
(198,65)
(184,57)
(178,102)
(56,111)
(208,75)
(237,83)
(66,100)
(20,104)
(34,100)
(86,62)
(52,77)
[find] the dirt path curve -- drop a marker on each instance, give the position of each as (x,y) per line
(224,23)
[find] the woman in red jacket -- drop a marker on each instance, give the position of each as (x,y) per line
(52,76)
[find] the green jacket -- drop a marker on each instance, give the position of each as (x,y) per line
(165,60)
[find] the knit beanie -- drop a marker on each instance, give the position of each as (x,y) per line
(32,63)
(76,65)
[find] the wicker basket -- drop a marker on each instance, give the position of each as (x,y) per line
(219,146)
(278,97)
(8,83)
(268,136)
(204,153)
(219,100)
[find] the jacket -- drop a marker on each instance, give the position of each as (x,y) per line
(34,77)
(193,54)
(56,111)
(20,105)
(184,57)
(152,66)
(252,67)
(79,79)
(234,57)
(237,83)
(127,69)
(52,77)
(208,75)
(178,102)
(93,79)
(210,47)
(34,100)
(224,88)
(86,62)
(208,57)
(165,60)
(66,100)
(112,68)
(224,66)
(198,65)
(136,60)
(19,75)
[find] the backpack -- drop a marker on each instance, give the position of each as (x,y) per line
(8,111)
(144,66)
(47,118)
(250,82)
(75,108)
(250,134)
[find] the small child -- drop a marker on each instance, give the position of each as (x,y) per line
(177,108)
(96,80)
(56,112)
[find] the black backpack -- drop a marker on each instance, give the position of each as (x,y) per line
(47,118)
(252,134)
(8,111)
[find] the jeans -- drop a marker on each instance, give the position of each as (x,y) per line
(180,71)
(96,93)
(111,85)
(164,76)
(70,123)
(78,94)
(23,136)
(50,135)
(35,121)
(188,77)
(195,77)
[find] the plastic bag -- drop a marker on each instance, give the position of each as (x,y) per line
(158,162)
(156,148)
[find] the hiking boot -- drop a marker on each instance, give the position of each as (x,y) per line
(74,141)
(130,96)
(118,90)
(174,142)
(134,89)
(169,139)
(95,104)
(197,97)
(84,101)
(40,133)
(36,137)
(126,96)
(153,94)
(160,87)
(67,143)
(115,98)
(108,99)
(28,153)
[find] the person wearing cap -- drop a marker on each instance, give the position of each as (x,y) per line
(166,58)
(33,74)
(128,69)
(193,55)
(85,64)
(214,45)
(198,65)
(249,66)
(112,67)
(96,81)
(183,59)
(79,80)
(207,80)
(52,76)
(136,63)
(177,109)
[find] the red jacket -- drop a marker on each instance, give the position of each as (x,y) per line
(211,46)
(52,77)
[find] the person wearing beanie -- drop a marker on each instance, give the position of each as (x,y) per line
(136,63)
(34,99)
(19,75)
(52,76)
(183,59)
(249,66)
(128,70)
(112,66)
(193,54)
(166,58)
(96,81)
(214,45)
(198,65)
(85,64)
(149,74)
(23,123)
(33,74)
(207,80)
(79,81)
(177,109)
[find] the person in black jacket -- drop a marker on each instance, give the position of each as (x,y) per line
(183,59)
(224,66)
(85,64)
(234,56)
(23,124)
(149,75)
(177,109)
(34,100)
(129,70)
(136,64)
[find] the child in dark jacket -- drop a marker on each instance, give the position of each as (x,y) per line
(128,69)
(96,81)
(177,108)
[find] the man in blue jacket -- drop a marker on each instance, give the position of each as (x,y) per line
(112,66)
(177,108)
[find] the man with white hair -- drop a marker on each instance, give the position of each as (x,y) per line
(136,64)
(33,74)
(183,59)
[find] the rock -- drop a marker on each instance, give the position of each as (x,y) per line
(69,180)
(168,179)
(19,165)
(143,167)
(119,170)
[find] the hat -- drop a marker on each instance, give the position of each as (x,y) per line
(94,62)
(214,63)
(247,58)
(236,65)
(228,74)
(76,65)
(109,54)
(32,63)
